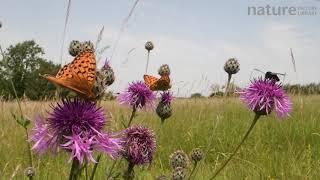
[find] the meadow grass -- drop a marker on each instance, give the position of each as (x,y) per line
(276,149)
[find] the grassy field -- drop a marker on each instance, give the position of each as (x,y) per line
(276,149)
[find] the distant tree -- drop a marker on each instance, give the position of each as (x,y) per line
(22,65)
(216,90)
(196,95)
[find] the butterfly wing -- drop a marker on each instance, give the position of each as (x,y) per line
(151,81)
(163,83)
(156,84)
(79,75)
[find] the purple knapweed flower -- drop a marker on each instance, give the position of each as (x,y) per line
(139,145)
(166,97)
(76,126)
(137,95)
(264,95)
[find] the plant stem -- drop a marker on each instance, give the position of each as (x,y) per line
(193,169)
(25,128)
(74,171)
(254,121)
(129,174)
(133,113)
(227,86)
(112,167)
(147,62)
(95,167)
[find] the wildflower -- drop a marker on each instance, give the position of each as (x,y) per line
(108,73)
(164,109)
(75,126)
(137,95)
(264,95)
(139,145)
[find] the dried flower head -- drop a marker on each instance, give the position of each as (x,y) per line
(149,46)
(137,95)
(164,70)
(179,174)
(75,48)
(179,159)
(196,154)
(75,126)
(264,95)
(139,145)
(232,66)
(30,172)
(88,45)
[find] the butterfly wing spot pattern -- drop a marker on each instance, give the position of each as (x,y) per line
(156,84)
(79,75)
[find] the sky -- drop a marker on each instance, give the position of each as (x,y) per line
(194,37)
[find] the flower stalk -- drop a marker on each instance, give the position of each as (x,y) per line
(133,113)
(129,174)
(193,169)
(228,85)
(24,123)
(95,167)
(75,169)
(254,121)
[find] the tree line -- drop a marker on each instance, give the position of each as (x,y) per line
(20,67)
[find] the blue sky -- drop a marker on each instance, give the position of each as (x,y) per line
(194,37)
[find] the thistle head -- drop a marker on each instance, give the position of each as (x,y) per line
(179,159)
(137,95)
(232,66)
(196,154)
(149,46)
(139,145)
(265,95)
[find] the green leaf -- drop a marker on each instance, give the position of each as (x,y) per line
(22,121)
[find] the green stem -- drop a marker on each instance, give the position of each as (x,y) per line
(193,169)
(29,149)
(129,174)
(86,170)
(74,171)
(111,169)
(17,98)
(227,86)
(134,110)
(26,130)
(95,167)
(254,121)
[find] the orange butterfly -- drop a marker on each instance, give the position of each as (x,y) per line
(156,84)
(79,75)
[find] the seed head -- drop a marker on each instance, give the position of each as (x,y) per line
(149,46)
